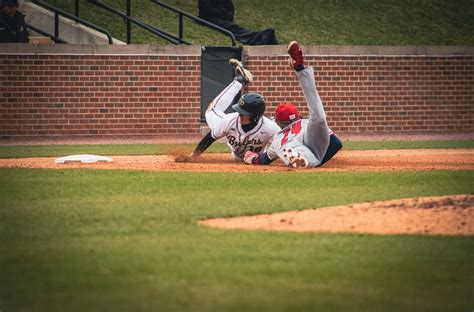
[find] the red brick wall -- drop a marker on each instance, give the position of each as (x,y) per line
(158,94)
(378,94)
(53,95)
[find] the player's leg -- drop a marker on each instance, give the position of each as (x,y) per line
(215,110)
(316,137)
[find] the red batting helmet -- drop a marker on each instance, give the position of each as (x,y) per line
(286,113)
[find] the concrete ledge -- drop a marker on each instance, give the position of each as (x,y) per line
(75,33)
(363,50)
(195,50)
(90,49)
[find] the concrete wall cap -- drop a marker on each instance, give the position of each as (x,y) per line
(195,50)
(89,49)
(363,50)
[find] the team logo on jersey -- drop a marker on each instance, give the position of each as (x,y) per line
(246,142)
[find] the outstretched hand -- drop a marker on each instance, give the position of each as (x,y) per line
(249,157)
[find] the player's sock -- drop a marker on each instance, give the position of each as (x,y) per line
(300,67)
(241,79)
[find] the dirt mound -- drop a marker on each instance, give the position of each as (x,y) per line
(443,215)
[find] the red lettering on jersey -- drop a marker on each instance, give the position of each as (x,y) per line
(295,129)
(285,137)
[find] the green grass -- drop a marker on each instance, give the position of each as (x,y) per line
(159,149)
(91,240)
(102,149)
(313,22)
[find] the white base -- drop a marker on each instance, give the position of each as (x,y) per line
(83,158)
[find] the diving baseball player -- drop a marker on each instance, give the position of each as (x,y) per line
(301,142)
(246,129)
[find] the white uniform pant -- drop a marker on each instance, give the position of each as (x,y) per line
(215,110)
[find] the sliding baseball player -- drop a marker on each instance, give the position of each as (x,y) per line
(301,142)
(245,129)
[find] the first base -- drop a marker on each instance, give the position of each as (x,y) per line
(82,158)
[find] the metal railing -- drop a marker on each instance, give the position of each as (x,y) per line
(129,20)
(182,13)
(58,12)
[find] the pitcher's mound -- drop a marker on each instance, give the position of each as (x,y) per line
(442,215)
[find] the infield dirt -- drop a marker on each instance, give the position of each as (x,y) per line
(366,160)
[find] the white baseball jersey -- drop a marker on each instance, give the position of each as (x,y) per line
(309,136)
(230,127)
(292,137)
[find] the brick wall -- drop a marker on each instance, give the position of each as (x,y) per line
(379,93)
(99,95)
(150,91)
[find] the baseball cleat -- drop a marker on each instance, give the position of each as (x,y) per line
(295,159)
(241,71)
(296,59)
